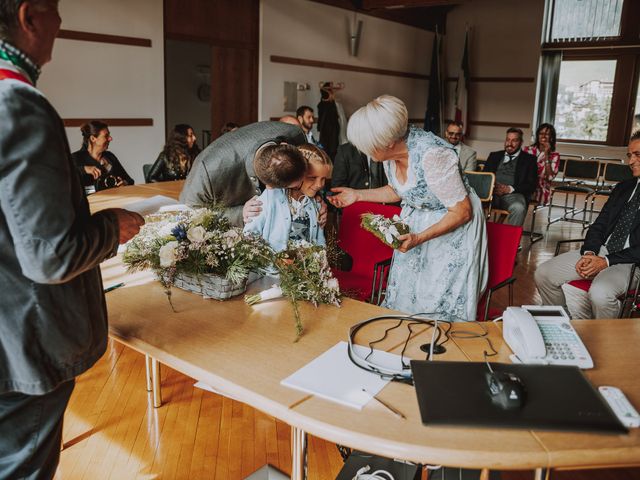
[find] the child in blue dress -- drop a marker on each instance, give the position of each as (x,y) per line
(292,213)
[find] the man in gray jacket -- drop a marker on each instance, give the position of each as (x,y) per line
(224,171)
(53,320)
(466,155)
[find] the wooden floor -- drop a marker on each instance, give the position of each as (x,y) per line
(112,431)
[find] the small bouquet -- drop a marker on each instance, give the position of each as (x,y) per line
(195,242)
(304,275)
(387,230)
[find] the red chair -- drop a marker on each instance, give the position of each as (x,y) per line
(503,241)
(371,257)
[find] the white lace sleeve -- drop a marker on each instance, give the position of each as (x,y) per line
(443,175)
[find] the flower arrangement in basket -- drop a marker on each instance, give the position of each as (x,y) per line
(387,230)
(304,275)
(197,250)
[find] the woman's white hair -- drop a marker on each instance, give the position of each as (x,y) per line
(378,124)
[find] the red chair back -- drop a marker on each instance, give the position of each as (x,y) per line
(364,248)
(503,241)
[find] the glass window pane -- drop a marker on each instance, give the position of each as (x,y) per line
(584,20)
(636,112)
(584,99)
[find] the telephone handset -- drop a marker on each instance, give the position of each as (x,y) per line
(538,334)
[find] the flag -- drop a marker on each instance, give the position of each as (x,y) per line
(433,116)
(462,88)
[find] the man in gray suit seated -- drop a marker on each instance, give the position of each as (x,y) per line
(224,171)
(466,154)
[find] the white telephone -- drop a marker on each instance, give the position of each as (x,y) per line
(543,334)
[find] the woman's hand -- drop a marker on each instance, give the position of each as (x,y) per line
(95,172)
(345,197)
(409,240)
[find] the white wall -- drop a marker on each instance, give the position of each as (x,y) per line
(504,42)
(183,60)
(309,30)
(99,80)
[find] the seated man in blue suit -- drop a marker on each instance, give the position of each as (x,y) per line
(610,249)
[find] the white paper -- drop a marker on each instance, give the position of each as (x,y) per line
(334,377)
(150,205)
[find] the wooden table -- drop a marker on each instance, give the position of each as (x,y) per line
(245,352)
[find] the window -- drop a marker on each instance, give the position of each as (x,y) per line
(585,89)
(589,70)
(585,20)
(636,112)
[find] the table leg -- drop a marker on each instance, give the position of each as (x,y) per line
(542,474)
(147,364)
(155,380)
(298,450)
(484,474)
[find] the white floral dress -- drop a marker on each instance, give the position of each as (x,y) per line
(443,277)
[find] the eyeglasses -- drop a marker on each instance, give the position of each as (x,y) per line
(633,154)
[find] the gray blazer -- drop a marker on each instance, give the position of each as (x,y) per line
(223,172)
(53,320)
(467,158)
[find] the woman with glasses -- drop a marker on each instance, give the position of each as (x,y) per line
(544,149)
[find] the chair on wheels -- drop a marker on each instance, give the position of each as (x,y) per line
(503,241)
(630,299)
(371,258)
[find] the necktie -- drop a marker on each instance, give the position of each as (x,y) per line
(623,226)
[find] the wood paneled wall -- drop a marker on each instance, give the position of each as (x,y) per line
(231,27)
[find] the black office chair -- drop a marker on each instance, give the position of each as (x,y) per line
(146,168)
(613,174)
(580,177)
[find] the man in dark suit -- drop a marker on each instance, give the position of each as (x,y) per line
(611,247)
(353,169)
(516,177)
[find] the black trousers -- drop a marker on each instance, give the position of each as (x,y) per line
(31,433)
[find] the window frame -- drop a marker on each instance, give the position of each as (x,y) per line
(625,50)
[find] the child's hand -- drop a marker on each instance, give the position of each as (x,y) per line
(251,209)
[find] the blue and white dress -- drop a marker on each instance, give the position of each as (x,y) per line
(443,277)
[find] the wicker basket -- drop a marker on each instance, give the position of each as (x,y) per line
(209,285)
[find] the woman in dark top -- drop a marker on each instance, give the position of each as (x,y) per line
(177,156)
(98,166)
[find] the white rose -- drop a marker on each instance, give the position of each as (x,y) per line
(199,216)
(196,234)
(333,284)
(168,254)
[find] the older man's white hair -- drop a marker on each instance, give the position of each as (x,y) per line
(378,124)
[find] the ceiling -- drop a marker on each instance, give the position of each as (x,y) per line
(424,14)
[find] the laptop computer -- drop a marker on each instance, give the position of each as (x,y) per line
(557,397)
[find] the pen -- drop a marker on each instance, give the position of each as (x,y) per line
(113,287)
(386,405)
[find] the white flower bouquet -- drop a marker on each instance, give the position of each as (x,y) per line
(386,229)
(304,275)
(195,242)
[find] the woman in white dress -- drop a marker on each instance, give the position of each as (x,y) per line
(441,267)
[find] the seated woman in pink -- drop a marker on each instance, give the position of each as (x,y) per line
(544,149)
